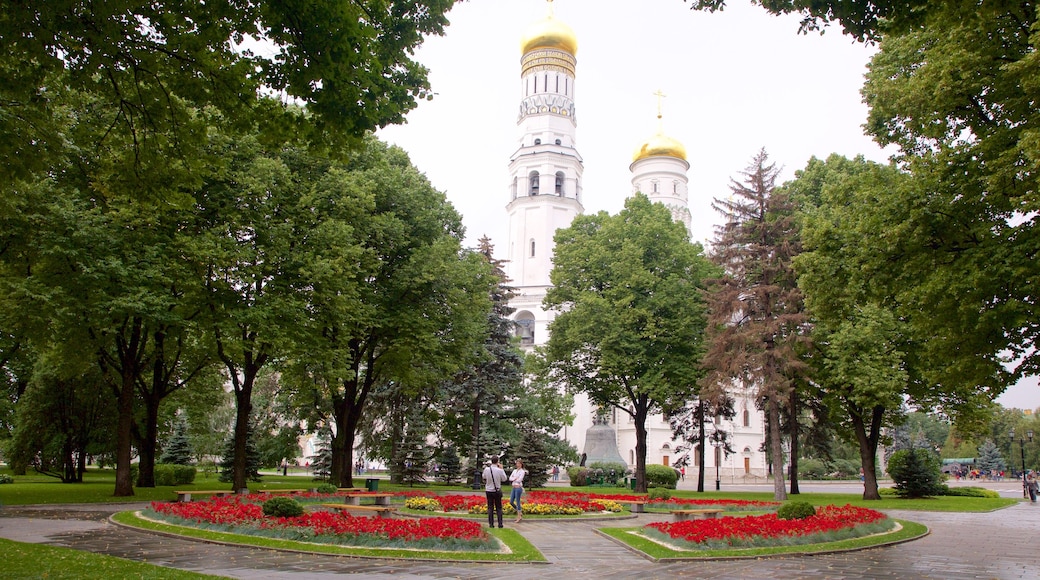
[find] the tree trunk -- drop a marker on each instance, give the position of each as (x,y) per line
(868,444)
(792,410)
(776,449)
(147,443)
(243,410)
(124,435)
(640,422)
(701,441)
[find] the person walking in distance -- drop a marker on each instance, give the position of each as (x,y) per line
(494,477)
(517,479)
(1032,485)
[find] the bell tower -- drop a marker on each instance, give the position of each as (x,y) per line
(545,170)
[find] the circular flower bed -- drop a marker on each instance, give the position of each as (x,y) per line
(830,524)
(244,515)
(534,503)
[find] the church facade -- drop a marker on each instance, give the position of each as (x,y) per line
(545,194)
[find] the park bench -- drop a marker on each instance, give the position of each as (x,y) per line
(383,511)
(186,495)
(350,489)
(702,514)
(634,505)
(287,491)
(380,498)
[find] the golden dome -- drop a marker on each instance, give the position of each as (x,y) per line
(660,146)
(549,33)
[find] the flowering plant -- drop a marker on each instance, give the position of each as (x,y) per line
(831,523)
(238,514)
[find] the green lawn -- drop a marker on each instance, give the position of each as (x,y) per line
(99,484)
(35,561)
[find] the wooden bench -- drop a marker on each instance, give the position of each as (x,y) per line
(634,505)
(186,495)
(350,489)
(382,499)
(383,511)
(287,491)
(705,514)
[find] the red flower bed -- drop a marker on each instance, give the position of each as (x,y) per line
(735,503)
(739,530)
(241,511)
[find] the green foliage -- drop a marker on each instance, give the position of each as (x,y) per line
(990,457)
(178,449)
(968,492)
(228,460)
(659,493)
(661,476)
(795,510)
(326,488)
(282,507)
(916,473)
(628,290)
(578,476)
(810,468)
(321,461)
(606,471)
(449,466)
(174,474)
(6,478)
(532,450)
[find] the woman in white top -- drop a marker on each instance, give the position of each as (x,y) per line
(517,477)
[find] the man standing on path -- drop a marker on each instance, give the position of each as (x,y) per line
(494,477)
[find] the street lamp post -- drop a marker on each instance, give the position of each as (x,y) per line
(717,442)
(1022,449)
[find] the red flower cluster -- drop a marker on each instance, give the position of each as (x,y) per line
(240,511)
(827,519)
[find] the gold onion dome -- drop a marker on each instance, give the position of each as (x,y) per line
(549,33)
(660,146)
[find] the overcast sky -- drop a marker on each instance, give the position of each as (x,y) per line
(736,81)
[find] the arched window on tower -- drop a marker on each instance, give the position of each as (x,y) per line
(533,179)
(559,183)
(675,187)
(747,418)
(525,327)
(532,247)
(654,184)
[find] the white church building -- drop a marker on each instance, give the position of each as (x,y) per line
(545,194)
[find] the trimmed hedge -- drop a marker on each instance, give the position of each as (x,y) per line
(173,474)
(282,507)
(795,510)
(661,476)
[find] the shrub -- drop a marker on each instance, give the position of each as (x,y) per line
(810,468)
(969,492)
(887,491)
(5,478)
(282,507)
(916,473)
(579,476)
(170,474)
(327,488)
(795,510)
(659,493)
(661,476)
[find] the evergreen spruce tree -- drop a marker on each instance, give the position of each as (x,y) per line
(227,461)
(449,467)
(321,462)
(990,457)
(178,449)
(532,451)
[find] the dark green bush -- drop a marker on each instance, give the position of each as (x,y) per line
(5,478)
(969,491)
(795,510)
(610,472)
(809,468)
(661,476)
(327,488)
(916,473)
(172,474)
(579,476)
(659,493)
(282,507)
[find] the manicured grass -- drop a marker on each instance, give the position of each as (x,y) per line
(99,484)
(37,561)
(655,551)
(521,549)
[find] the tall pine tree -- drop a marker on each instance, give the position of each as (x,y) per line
(757,319)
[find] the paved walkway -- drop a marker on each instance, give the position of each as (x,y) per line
(1001,545)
